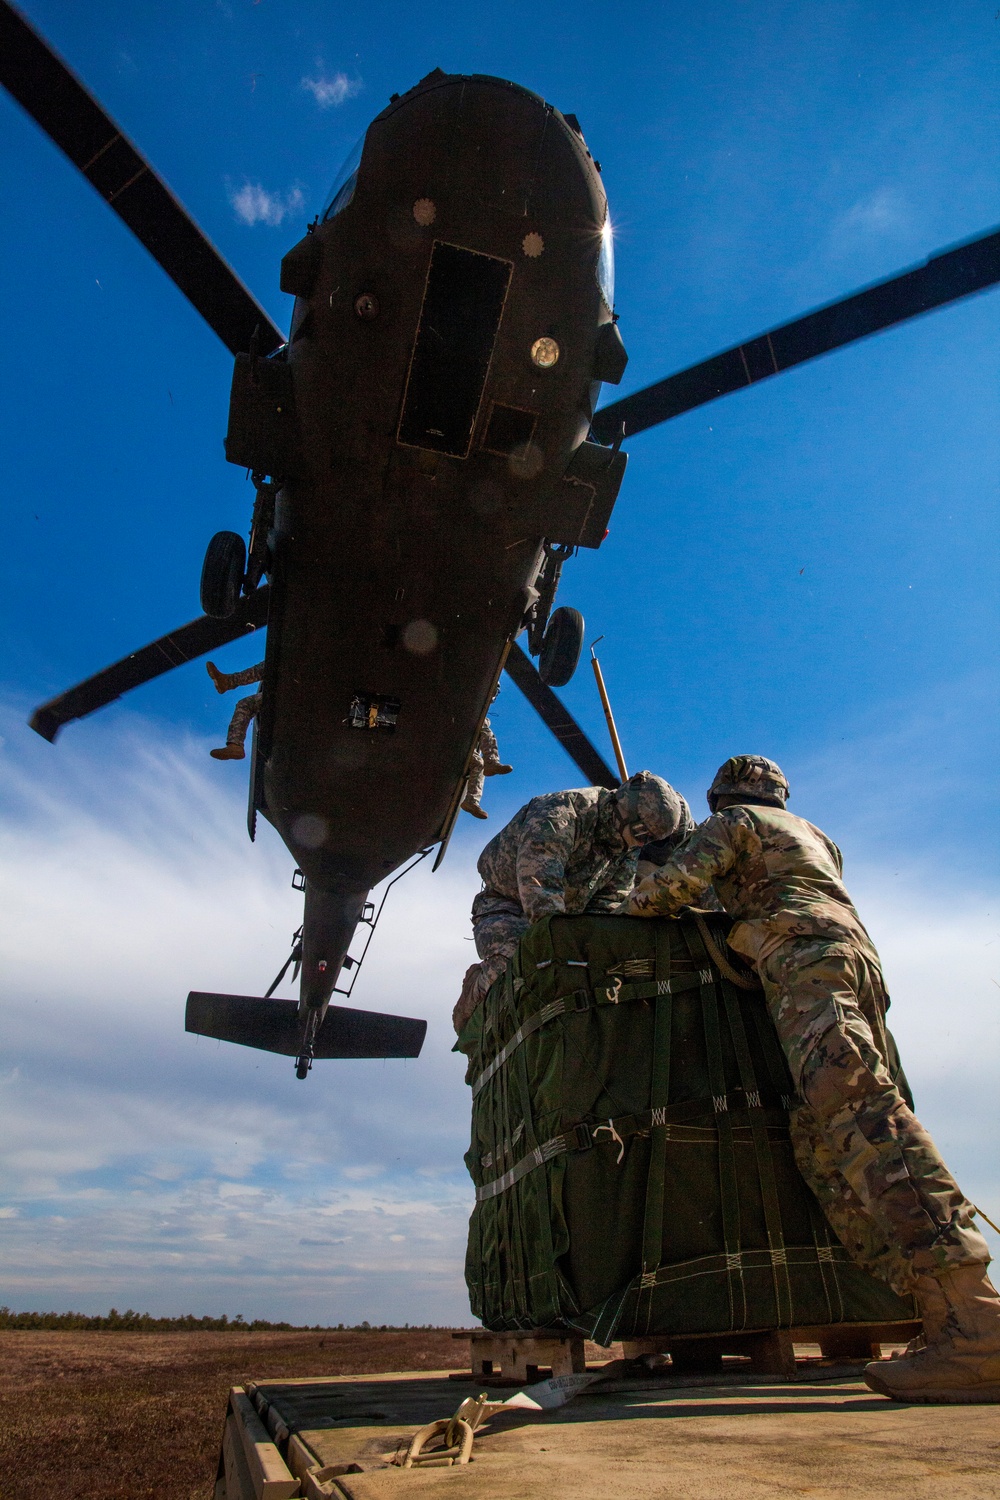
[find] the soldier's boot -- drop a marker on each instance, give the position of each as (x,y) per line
(223,680)
(496,768)
(470,805)
(960,1360)
(243,715)
(933,1306)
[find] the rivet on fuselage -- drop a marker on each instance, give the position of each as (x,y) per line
(425,211)
(366,306)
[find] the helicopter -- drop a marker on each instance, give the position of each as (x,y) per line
(427,452)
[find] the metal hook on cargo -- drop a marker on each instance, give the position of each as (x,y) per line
(610,1127)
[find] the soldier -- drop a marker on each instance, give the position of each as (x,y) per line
(563,852)
(244,711)
(868,1159)
(658,851)
(485,762)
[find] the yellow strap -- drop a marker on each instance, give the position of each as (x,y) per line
(994,1227)
(741,981)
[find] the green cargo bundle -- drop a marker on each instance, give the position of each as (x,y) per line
(630,1149)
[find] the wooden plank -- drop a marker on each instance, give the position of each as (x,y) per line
(301,1458)
(849,1343)
(879,1333)
(771,1354)
(521,1355)
(269,1476)
(772,1351)
(239,1484)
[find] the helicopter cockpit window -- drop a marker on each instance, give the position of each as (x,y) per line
(606,265)
(346,180)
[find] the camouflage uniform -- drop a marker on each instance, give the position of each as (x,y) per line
(485,762)
(246,708)
(563,852)
(652,857)
(871,1164)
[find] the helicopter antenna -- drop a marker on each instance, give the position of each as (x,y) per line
(606,704)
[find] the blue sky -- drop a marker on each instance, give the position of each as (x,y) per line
(808,569)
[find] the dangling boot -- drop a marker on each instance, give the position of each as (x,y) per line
(223,682)
(243,715)
(496,768)
(960,1361)
(469,806)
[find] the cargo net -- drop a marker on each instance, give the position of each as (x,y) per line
(631,1152)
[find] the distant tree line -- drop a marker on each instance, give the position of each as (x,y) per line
(134,1322)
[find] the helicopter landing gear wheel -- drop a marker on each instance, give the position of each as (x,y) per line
(561,647)
(222,575)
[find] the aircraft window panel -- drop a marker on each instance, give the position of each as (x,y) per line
(509,429)
(606,265)
(463,302)
(345,182)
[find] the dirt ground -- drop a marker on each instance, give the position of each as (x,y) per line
(130,1416)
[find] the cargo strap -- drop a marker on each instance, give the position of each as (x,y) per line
(582,1137)
(748,980)
(584,1000)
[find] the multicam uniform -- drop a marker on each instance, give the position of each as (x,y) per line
(871,1164)
(246,708)
(485,761)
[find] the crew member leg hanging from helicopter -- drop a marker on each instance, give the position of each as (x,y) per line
(485,762)
(243,713)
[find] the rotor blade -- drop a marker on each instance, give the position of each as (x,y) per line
(558,718)
(944,278)
(41,82)
(151,661)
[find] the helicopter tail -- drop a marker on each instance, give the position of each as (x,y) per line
(311,1028)
(274,1026)
(329,922)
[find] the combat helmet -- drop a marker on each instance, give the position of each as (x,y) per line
(650,809)
(749,776)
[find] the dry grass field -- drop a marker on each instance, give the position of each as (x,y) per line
(133,1416)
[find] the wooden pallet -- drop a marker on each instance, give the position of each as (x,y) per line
(520,1358)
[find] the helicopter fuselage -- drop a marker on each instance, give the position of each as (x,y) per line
(442,372)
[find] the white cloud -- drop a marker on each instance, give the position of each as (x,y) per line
(128,1142)
(333,90)
(253,204)
(146,1167)
(884,214)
